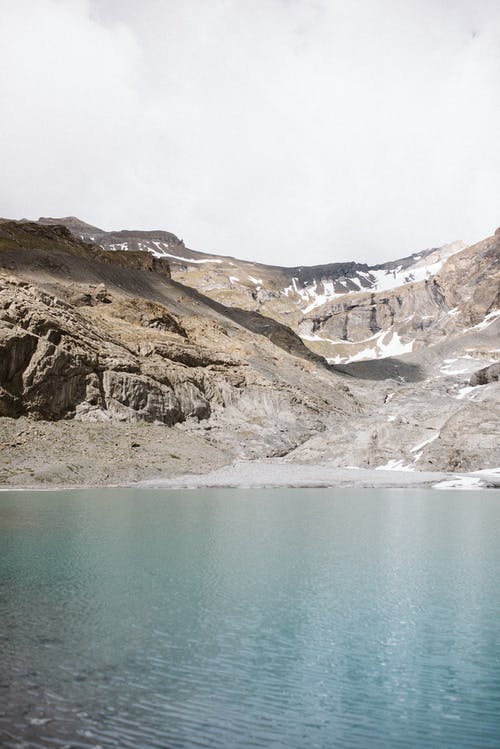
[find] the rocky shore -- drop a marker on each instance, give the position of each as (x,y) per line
(76,455)
(50,455)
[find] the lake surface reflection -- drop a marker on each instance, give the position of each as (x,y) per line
(250,618)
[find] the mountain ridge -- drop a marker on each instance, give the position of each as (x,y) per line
(86,231)
(304,298)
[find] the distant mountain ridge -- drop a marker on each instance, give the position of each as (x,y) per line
(351,275)
(305,298)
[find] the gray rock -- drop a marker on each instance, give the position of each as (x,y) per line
(486,375)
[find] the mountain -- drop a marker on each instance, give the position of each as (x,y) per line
(131,354)
(108,337)
(329,306)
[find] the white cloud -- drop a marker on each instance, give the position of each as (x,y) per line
(65,97)
(289,131)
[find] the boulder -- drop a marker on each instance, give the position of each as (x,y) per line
(486,375)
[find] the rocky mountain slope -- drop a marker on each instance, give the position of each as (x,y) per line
(97,336)
(296,296)
(100,337)
(346,311)
(460,295)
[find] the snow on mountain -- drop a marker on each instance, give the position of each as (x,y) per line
(346,311)
(381,345)
(378,278)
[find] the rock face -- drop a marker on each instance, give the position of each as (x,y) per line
(61,366)
(354,319)
(95,339)
(58,364)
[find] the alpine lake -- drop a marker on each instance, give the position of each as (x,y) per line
(282,618)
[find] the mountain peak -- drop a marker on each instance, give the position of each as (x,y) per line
(75,224)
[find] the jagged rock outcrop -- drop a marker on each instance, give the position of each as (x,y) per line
(56,364)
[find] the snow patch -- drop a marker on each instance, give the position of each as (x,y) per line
(461,482)
(123,246)
(392,279)
(161,251)
(448,369)
(419,447)
(488,320)
(490,475)
(314,337)
(395,465)
(467,391)
(315,299)
(388,343)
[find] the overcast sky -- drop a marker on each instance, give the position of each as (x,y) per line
(285,131)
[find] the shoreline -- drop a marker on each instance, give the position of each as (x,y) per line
(272,473)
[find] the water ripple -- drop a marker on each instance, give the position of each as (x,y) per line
(282,619)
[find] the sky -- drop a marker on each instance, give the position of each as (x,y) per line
(290,132)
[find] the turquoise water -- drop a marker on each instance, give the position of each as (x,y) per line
(280,618)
